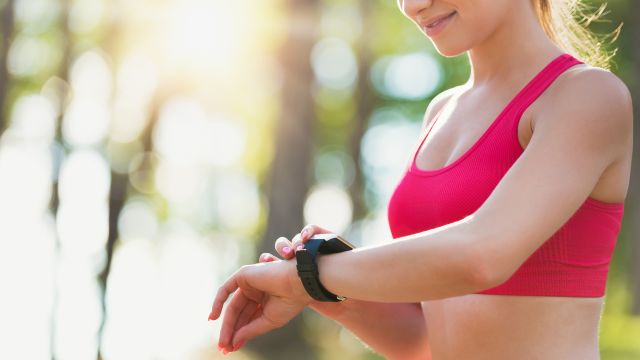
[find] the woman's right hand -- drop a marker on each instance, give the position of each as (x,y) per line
(286,249)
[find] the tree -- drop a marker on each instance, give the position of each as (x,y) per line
(634,192)
(289,180)
(366,100)
(6,28)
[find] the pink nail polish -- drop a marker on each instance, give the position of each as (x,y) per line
(304,234)
(300,247)
(286,250)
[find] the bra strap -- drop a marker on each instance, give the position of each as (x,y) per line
(545,79)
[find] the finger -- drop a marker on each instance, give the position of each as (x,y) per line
(222,295)
(231,314)
(250,312)
(256,314)
(307,232)
(246,315)
(284,248)
(298,242)
(257,327)
(253,300)
(267,257)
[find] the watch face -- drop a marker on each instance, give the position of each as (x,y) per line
(343,240)
(332,243)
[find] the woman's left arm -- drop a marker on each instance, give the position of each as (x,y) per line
(574,141)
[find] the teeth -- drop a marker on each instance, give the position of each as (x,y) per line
(439,21)
(434,24)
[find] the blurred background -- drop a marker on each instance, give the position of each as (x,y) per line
(149,148)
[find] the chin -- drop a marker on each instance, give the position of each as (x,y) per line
(449,49)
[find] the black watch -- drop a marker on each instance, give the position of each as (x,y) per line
(308,269)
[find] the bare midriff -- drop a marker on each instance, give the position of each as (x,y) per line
(479,326)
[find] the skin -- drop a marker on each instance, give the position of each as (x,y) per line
(577,138)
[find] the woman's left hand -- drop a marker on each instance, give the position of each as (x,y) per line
(269,295)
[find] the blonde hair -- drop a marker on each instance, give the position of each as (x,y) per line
(566,23)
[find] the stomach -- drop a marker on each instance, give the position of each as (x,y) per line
(480,326)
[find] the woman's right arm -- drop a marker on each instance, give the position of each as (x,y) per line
(394,330)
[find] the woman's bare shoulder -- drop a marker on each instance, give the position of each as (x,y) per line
(437,103)
(590,90)
(592,108)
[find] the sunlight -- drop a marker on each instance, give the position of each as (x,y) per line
(136,83)
(137,221)
(78,309)
(188,135)
(83,214)
(27,235)
(330,206)
(87,119)
(237,202)
(33,118)
(29,56)
(383,164)
(179,183)
(160,294)
(208,34)
(335,167)
(85,15)
(334,63)
(410,76)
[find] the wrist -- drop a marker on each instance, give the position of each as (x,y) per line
(308,260)
(338,311)
(297,289)
(325,271)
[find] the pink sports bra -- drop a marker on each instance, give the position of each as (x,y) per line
(574,261)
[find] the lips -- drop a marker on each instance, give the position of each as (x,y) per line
(436,20)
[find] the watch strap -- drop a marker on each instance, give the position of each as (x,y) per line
(308,271)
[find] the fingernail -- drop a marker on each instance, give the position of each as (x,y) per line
(300,247)
(304,234)
(286,250)
(225,351)
(237,347)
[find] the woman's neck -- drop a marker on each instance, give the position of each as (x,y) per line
(517,48)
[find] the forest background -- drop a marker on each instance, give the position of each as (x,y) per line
(149,148)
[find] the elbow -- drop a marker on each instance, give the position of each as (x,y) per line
(484,273)
(485,268)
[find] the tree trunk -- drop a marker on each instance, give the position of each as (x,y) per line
(365,98)
(6,27)
(634,191)
(63,74)
(117,199)
(290,171)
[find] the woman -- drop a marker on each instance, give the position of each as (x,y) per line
(505,219)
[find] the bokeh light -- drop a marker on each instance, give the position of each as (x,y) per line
(141,143)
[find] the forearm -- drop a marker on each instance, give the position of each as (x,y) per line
(394,330)
(439,263)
